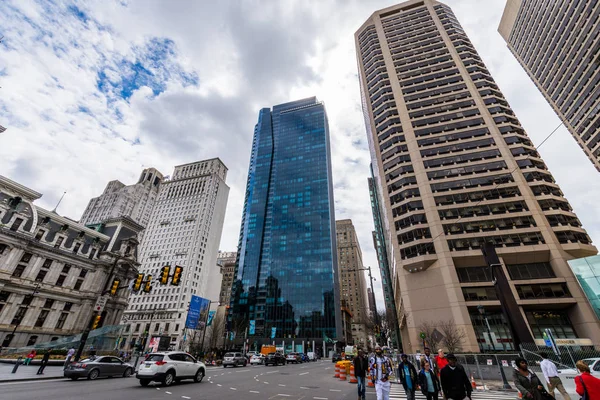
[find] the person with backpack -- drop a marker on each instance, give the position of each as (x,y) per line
(428,380)
(586,384)
(408,377)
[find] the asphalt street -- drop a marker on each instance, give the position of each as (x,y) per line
(290,382)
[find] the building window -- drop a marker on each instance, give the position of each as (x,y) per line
(544,291)
(156,327)
(39,234)
(19,316)
(59,241)
(67,306)
(479,293)
(2,248)
(41,275)
(76,248)
(83,273)
(176,328)
(41,318)
(60,280)
(19,270)
(78,284)
(557,320)
(540,270)
(474,274)
(47,263)
(49,303)
(32,340)
(15,226)
(26,257)
(137,327)
(167,327)
(61,320)
(66,269)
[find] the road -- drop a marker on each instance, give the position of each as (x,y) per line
(309,381)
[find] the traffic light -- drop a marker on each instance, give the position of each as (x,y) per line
(164,274)
(148,284)
(115,287)
(176,275)
(97,319)
(138,282)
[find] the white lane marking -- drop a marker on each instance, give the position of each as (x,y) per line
(302,387)
(254,391)
(283,395)
(266,383)
(168,393)
(185,397)
(304,373)
(219,385)
(320,398)
(334,390)
(233,388)
(281,385)
(157,388)
(272,372)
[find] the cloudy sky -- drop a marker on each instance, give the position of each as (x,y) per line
(95,91)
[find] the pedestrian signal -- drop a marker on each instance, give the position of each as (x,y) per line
(176,275)
(138,282)
(115,287)
(148,284)
(164,274)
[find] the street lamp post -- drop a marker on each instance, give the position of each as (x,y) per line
(375,315)
(481,310)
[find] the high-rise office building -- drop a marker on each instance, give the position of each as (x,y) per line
(558,44)
(184,230)
(226,262)
(286,274)
(119,200)
(353,287)
(587,271)
(383,260)
(454,169)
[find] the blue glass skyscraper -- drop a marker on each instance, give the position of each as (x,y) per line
(286,273)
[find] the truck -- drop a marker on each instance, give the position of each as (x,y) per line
(267,348)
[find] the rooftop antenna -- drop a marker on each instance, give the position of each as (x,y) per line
(61,197)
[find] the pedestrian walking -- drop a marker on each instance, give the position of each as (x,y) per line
(30,357)
(527,382)
(454,380)
(361,366)
(551,375)
(70,355)
(44,362)
(429,383)
(381,368)
(408,377)
(427,357)
(440,361)
(586,384)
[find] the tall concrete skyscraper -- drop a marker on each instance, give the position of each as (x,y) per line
(184,230)
(353,286)
(286,283)
(454,169)
(119,200)
(558,44)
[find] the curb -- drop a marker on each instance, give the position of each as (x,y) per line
(44,378)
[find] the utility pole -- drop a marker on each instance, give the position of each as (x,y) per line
(375,315)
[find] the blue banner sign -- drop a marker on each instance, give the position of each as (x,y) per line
(197,312)
(211,316)
(273,332)
(252,329)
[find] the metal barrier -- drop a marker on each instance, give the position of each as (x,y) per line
(567,358)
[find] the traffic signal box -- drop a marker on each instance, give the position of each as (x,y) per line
(148,284)
(177,275)
(97,319)
(138,282)
(164,274)
(115,287)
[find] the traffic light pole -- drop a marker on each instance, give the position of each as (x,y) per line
(86,332)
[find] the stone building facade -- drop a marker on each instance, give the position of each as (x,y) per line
(52,269)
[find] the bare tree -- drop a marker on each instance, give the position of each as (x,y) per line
(453,335)
(216,330)
(428,328)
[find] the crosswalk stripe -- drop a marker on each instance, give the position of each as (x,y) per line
(397,392)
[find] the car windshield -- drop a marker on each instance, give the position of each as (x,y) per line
(229,355)
(155,357)
(87,360)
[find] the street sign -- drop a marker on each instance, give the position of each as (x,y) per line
(504,363)
(101,303)
(489,362)
(422,335)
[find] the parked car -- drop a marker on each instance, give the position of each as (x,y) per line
(92,368)
(275,359)
(168,367)
(336,357)
(567,375)
(234,360)
(293,358)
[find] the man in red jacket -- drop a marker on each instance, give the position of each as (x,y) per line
(586,382)
(440,361)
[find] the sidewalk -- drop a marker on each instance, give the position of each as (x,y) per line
(28,373)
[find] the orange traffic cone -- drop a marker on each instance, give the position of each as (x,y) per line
(473,384)
(337,371)
(369,381)
(352,376)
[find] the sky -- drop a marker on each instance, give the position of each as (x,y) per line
(96,91)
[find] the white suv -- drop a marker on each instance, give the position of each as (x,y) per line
(168,367)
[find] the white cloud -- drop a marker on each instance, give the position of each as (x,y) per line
(70,129)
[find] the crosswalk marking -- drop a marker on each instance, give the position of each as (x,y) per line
(397,392)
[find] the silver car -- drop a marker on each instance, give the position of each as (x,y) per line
(93,368)
(234,359)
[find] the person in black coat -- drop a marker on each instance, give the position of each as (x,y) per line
(44,362)
(361,367)
(454,380)
(408,377)
(429,383)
